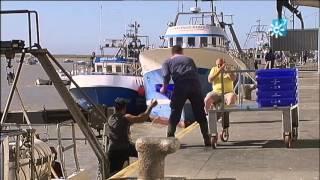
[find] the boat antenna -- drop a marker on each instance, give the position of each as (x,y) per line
(100,29)
(196,3)
(212,11)
(182,5)
(212,6)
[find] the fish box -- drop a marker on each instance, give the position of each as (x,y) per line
(271,102)
(292,72)
(169,92)
(277,94)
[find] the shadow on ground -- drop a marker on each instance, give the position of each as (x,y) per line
(252,144)
(300,143)
(263,121)
(181,178)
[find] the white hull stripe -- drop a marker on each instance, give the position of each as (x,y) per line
(164,101)
(129,82)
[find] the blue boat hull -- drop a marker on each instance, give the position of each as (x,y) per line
(162,111)
(107,95)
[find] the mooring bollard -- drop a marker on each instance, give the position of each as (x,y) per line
(152,152)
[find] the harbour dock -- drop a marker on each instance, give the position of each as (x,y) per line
(62,130)
(255,149)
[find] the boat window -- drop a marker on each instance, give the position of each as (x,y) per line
(179,41)
(258,56)
(191,41)
(118,69)
(203,41)
(99,68)
(109,69)
(214,41)
(219,41)
(171,42)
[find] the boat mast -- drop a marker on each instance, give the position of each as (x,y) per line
(212,11)
(182,6)
(100,30)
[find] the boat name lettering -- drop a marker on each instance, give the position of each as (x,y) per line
(111,59)
(189,27)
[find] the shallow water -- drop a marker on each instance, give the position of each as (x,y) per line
(34,97)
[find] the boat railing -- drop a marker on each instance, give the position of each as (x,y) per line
(248,73)
(135,73)
(128,69)
(61,148)
(218,47)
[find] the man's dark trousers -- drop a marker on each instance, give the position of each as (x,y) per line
(271,64)
(118,157)
(183,90)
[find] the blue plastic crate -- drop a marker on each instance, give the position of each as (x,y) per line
(169,92)
(277,102)
(279,87)
(276,72)
(276,80)
(277,94)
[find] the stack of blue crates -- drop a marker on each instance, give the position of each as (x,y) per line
(277,87)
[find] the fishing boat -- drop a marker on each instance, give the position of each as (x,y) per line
(258,39)
(204,38)
(109,77)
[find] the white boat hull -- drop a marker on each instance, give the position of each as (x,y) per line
(204,59)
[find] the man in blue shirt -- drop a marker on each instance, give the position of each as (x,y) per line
(184,74)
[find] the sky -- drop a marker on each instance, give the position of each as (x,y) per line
(73,27)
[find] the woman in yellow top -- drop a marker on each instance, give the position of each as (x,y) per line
(214,77)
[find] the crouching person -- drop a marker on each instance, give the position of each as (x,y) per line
(120,147)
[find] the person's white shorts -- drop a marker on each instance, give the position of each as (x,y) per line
(216,97)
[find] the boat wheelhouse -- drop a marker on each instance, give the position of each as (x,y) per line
(203,37)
